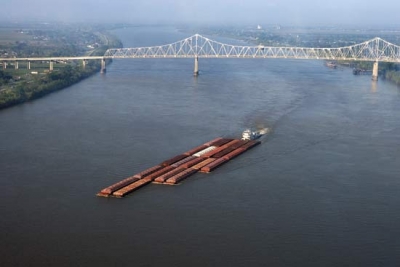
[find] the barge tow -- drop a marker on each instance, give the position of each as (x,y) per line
(203,158)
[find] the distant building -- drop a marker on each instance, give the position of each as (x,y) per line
(259,27)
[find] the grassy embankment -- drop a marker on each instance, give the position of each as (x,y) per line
(21,85)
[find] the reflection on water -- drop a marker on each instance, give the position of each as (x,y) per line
(374,86)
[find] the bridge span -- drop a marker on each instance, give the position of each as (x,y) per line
(198,46)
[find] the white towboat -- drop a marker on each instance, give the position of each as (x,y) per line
(250,135)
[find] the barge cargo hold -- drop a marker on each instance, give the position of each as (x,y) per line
(136,185)
(200,165)
(211,166)
(203,158)
(144,173)
(173,160)
(161,179)
(195,150)
(180,176)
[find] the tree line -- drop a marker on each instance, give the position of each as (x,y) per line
(45,84)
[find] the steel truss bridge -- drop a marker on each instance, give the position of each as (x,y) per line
(198,46)
(202,47)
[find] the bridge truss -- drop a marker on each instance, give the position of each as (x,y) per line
(197,45)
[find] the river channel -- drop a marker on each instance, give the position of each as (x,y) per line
(321,190)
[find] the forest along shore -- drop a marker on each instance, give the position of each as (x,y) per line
(18,85)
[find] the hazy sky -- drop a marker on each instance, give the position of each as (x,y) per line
(287,12)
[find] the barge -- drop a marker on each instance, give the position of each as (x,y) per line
(203,158)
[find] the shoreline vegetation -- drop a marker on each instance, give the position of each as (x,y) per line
(393,76)
(387,71)
(21,85)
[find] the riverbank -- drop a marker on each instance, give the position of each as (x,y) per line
(42,86)
(393,76)
(387,70)
(19,86)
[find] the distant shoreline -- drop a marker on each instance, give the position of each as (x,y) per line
(56,80)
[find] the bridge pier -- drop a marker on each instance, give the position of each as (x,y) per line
(103,66)
(28,66)
(16,65)
(4,64)
(84,63)
(51,65)
(375,71)
(196,66)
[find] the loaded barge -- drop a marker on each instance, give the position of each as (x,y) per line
(204,158)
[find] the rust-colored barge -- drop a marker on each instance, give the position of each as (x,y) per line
(203,158)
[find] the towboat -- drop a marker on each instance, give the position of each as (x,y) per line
(250,135)
(247,135)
